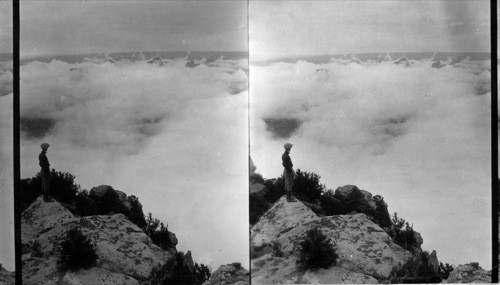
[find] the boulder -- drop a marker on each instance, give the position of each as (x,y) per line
(433,261)
(469,273)
(99,192)
(229,274)
(124,251)
(365,252)
(111,200)
(187,261)
(345,191)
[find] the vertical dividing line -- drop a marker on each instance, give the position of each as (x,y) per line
(494,140)
(249,146)
(16,146)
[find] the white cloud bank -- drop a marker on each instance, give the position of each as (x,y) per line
(418,136)
(176,137)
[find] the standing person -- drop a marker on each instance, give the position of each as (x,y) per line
(288,172)
(45,165)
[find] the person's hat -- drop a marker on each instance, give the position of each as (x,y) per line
(44,145)
(288,146)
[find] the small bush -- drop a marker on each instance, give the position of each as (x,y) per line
(76,251)
(158,232)
(331,205)
(276,189)
(316,251)
(416,270)
(381,212)
(62,188)
(256,178)
(136,214)
(110,203)
(402,233)
(306,186)
(85,206)
(181,274)
(202,272)
(355,201)
(444,270)
(258,206)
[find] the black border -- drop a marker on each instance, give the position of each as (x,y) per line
(16,140)
(494,140)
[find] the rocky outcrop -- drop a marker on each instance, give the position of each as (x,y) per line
(103,192)
(469,273)
(403,61)
(344,192)
(157,60)
(7,277)
(126,255)
(229,274)
(433,261)
(366,253)
(104,199)
(187,261)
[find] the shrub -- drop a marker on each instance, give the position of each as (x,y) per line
(181,274)
(425,269)
(445,270)
(76,251)
(306,186)
(316,251)
(62,188)
(85,206)
(110,203)
(136,214)
(202,273)
(355,201)
(257,178)
(402,233)
(416,270)
(258,206)
(276,189)
(331,205)
(161,236)
(381,212)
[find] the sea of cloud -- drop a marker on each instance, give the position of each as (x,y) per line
(174,136)
(417,135)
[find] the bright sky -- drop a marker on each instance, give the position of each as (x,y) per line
(284,28)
